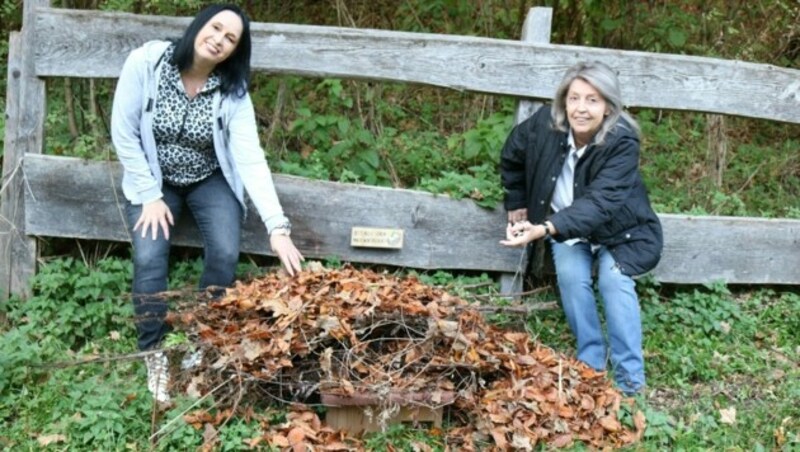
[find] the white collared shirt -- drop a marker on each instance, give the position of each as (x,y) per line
(565,185)
(564,192)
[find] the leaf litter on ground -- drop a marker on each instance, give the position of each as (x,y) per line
(358,333)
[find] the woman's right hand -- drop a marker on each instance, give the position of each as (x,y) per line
(521,233)
(287,252)
(154,215)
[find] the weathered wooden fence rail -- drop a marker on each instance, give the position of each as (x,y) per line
(67,197)
(100,41)
(75,198)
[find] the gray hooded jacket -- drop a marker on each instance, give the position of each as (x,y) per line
(236,139)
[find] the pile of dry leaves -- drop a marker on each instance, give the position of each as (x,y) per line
(349,332)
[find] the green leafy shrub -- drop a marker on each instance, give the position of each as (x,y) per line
(483,142)
(185,273)
(73,303)
(706,311)
(21,353)
(697,335)
(103,409)
(480,183)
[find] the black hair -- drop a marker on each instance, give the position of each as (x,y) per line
(234,72)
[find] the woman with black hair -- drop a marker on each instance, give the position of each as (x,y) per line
(184,129)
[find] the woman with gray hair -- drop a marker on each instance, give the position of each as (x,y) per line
(571,176)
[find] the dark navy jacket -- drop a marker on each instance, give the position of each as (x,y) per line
(610,205)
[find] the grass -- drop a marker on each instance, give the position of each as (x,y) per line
(722,369)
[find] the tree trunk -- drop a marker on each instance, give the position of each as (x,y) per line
(69,97)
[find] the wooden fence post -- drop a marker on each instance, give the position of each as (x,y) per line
(537,28)
(11,164)
(25,113)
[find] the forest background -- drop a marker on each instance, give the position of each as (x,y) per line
(704,343)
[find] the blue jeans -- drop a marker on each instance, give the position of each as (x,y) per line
(574,271)
(218,216)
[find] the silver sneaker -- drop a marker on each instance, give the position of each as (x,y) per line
(192,359)
(158,376)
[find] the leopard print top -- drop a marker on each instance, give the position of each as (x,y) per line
(183,127)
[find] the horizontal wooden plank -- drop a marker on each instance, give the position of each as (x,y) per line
(732,249)
(100,41)
(67,197)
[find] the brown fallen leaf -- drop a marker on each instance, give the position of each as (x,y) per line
(640,422)
(192,390)
(254,442)
(727,415)
(421,447)
(274,305)
(46,440)
(347,387)
(566,411)
(246,304)
(197,418)
(526,360)
(587,402)
(562,440)
(520,441)
(328,323)
(210,437)
(296,436)
(499,436)
(325,362)
(610,423)
(780,436)
(279,440)
(335,446)
(253,349)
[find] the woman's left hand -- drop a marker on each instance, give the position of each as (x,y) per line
(289,255)
(522,232)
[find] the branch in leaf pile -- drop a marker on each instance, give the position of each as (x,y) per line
(527,309)
(536,291)
(107,359)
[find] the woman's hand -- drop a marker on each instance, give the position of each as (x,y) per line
(289,255)
(154,215)
(515,216)
(518,234)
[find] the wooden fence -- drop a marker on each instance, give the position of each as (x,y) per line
(69,197)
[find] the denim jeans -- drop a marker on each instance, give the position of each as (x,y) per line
(574,271)
(218,216)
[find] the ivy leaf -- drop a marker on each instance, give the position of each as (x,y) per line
(344,125)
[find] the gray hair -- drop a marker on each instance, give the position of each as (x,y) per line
(605,81)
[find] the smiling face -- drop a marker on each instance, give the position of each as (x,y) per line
(218,38)
(586,110)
